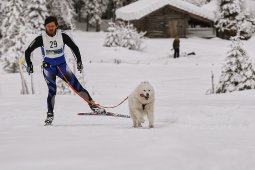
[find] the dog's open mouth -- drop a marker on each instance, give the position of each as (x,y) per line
(146,97)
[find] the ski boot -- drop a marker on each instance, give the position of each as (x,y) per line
(100,111)
(96,109)
(49,119)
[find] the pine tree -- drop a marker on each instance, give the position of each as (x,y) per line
(231,14)
(115,5)
(2,4)
(78,5)
(124,35)
(37,12)
(3,12)
(237,73)
(118,3)
(93,10)
(13,41)
(112,37)
(64,11)
(68,13)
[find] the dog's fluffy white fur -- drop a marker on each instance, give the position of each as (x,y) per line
(141,103)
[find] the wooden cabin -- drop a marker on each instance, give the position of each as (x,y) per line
(168,21)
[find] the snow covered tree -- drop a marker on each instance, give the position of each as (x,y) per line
(13,41)
(237,73)
(112,37)
(78,5)
(2,3)
(124,35)
(2,16)
(232,15)
(115,5)
(37,12)
(64,11)
(118,3)
(93,11)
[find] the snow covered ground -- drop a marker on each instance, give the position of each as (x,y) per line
(193,131)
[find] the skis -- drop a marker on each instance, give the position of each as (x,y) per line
(103,114)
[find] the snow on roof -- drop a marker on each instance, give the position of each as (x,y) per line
(141,8)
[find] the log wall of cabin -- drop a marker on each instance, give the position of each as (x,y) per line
(158,23)
(162,22)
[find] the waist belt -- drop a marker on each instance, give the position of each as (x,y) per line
(47,65)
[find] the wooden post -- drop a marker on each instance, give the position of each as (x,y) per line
(32,81)
(97,26)
(24,88)
(212,82)
(87,21)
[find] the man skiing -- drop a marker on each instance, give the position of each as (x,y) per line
(52,42)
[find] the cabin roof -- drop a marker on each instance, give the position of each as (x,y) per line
(141,8)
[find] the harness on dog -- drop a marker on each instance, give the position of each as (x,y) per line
(144,106)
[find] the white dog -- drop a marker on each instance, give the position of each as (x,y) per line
(141,102)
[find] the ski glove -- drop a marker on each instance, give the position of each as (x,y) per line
(80,66)
(30,68)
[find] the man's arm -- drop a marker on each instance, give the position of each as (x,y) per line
(69,42)
(37,42)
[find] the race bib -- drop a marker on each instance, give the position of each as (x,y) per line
(53,46)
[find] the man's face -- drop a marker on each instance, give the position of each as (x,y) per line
(51,29)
